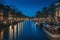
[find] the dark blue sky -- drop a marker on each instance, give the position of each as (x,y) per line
(29,7)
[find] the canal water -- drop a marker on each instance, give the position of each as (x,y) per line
(26,30)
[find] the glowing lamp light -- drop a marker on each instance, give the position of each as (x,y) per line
(4,22)
(1,18)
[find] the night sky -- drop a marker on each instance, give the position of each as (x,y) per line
(29,7)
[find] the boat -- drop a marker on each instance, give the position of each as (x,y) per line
(52,36)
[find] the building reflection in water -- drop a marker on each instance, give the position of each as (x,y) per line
(33,25)
(22,27)
(10,32)
(13,31)
(23,31)
(2,33)
(19,28)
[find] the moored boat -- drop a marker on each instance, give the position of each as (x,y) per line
(52,36)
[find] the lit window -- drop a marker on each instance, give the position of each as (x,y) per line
(59,12)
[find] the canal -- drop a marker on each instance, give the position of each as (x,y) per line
(26,30)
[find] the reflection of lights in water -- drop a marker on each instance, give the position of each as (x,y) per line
(11,30)
(36,23)
(10,33)
(19,28)
(22,27)
(34,27)
(2,34)
(15,31)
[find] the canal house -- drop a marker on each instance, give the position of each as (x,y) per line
(57,13)
(53,32)
(1,16)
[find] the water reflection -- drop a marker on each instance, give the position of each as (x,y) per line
(26,30)
(20,25)
(15,31)
(10,33)
(33,26)
(31,32)
(2,33)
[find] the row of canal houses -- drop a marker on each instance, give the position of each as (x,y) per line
(57,13)
(55,16)
(53,32)
(10,16)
